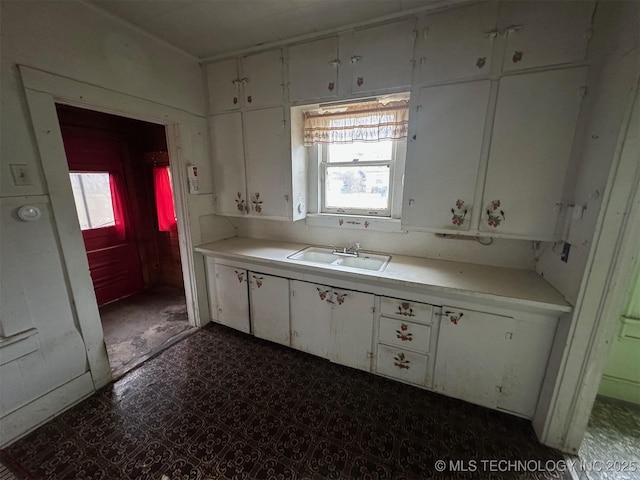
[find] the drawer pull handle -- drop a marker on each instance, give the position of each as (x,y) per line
(401,362)
(403,334)
(405,310)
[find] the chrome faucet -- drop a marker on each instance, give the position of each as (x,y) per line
(352,251)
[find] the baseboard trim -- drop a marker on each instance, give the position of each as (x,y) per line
(27,418)
(620,389)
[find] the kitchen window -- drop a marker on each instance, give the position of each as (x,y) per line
(360,150)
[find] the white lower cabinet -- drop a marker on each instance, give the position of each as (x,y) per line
(332,323)
(492,360)
(232,297)
(269,300)
(407,337)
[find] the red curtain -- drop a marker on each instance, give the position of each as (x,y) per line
(117,201)
(164,199)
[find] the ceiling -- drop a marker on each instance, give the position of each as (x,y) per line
(210,28)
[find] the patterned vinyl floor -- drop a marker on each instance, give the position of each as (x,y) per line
(611,447)
(224,405)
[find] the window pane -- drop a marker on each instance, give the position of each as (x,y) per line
(360,151)
(364,188)
(92,194)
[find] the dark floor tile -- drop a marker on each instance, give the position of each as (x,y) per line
(223,405)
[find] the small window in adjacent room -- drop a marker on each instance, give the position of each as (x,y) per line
(360,149)
(92,195)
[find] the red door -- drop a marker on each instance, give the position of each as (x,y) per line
(96,172)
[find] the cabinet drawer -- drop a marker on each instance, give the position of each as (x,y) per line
(412,336)
(404,365)
(413,311)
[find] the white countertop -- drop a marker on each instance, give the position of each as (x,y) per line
(524,287)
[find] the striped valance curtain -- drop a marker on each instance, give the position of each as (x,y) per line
(367,122)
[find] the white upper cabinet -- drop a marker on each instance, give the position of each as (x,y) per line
(443,155)
(544,33)
(223,85)
(262,79)
(313,70)
(533,132)
(254,81)
(227,148)
(251,173)
(456,44)
(268,163)
(382,57)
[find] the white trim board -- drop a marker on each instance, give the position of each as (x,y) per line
(43,90)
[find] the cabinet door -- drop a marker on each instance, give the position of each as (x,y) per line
(352,328)
(270,307)
(228,163)
(268,163)
(224,86)
(533,132)
(262,79)
(383,57)
(456,44)
(530,344)
(233,297)
(313,70)
(311,318)
(545,33)
(442,161)
(472,347)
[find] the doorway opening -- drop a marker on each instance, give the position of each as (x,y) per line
(613,433)
(120,175)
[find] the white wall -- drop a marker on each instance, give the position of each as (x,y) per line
(74,41)
(615,64)
(503,252)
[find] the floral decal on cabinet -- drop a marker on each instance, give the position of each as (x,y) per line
(340,297)
(517,56)
(454,317)
(323,294)
(258,281)
(405,310)
(401,362)
(240,276)
(331,86)
(459,212)
(240,203)
(257,203)
(495,215)
(403,334)
(481,62)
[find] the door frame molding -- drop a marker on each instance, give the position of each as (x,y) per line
(43,90)
(603,293)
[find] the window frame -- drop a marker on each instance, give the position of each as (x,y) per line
(396,177)
(325,164)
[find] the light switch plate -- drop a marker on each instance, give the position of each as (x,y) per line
(21,175)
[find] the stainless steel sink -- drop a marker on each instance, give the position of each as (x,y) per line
(325,256)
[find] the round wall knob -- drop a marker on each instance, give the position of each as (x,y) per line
(29,213)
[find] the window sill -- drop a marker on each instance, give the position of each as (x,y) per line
(354,222)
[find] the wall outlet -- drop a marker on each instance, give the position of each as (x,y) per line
(21,175)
